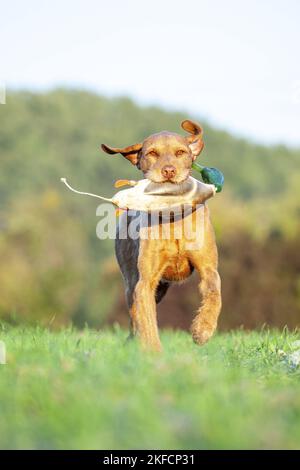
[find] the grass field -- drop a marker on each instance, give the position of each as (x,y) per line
(87,389)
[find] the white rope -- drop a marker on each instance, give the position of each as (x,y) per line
(63,180)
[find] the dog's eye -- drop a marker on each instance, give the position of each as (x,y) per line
(180,152)
(153,153)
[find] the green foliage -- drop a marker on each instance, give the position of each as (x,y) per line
(45,136)
(53,265)
(89,390)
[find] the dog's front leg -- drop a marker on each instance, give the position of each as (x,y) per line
(143,311)
(204,258)
(205,321)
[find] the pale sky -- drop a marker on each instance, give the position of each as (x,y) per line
(234,63)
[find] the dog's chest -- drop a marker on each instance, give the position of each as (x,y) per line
(173,243)
(177,237)
(177,267)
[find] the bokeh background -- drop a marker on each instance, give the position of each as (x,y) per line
(81,73)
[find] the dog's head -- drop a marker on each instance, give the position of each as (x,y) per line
(165,156)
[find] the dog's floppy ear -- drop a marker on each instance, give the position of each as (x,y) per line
(131,152)
(195,141)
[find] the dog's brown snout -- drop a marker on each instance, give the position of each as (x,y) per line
(168,171)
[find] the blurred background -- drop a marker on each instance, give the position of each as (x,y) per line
(85,72)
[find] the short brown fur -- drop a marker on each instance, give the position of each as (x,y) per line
(168,157)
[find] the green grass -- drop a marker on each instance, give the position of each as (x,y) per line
(87,389)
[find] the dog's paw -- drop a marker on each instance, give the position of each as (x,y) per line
(153,346)
(201,333)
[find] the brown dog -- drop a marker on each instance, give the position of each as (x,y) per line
(149,265)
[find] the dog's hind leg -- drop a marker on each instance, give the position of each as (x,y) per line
(127,252)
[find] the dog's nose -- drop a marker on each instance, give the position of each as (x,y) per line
(168,171)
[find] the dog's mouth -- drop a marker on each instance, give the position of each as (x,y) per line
(168,188)
(167,181)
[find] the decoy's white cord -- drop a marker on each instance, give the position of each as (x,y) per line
(63,180)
